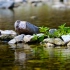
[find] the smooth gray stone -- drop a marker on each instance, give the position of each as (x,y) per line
(24,27)
(51,31)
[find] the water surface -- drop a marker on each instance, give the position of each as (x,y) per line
(45,16)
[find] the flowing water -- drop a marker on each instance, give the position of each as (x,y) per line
(22,56)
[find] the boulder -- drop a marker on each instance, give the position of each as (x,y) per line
(55,41)
(27,38)
(58,41)
(24,27)
(49,40)
(68,44)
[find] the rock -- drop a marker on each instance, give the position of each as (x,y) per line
(17,39)
(68,44)
(49,45)
(13,41)
(7,35)
(49,40)
(8,32)
(51,31)
(24,27)
(58,41)
(27,38)
(66,38)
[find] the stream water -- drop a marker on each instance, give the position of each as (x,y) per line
(20,56)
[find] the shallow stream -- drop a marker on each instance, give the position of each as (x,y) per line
(21,56)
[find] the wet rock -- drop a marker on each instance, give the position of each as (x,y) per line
(68,44)
(58,41)
(5,38)
(55,41)
(13,41)
(27,38)
(8,32)
(7,35)
(30,38)
(17,39)
(49,40)
(24,27)
(66,38)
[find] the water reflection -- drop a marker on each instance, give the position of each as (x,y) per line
(6,57)
(22,54)
(26,56)
(22,57)
(6,18)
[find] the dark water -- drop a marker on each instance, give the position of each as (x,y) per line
(19,57)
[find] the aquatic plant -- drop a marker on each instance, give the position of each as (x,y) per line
(35,37)
(62,30)
(38,37)
(43,30)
